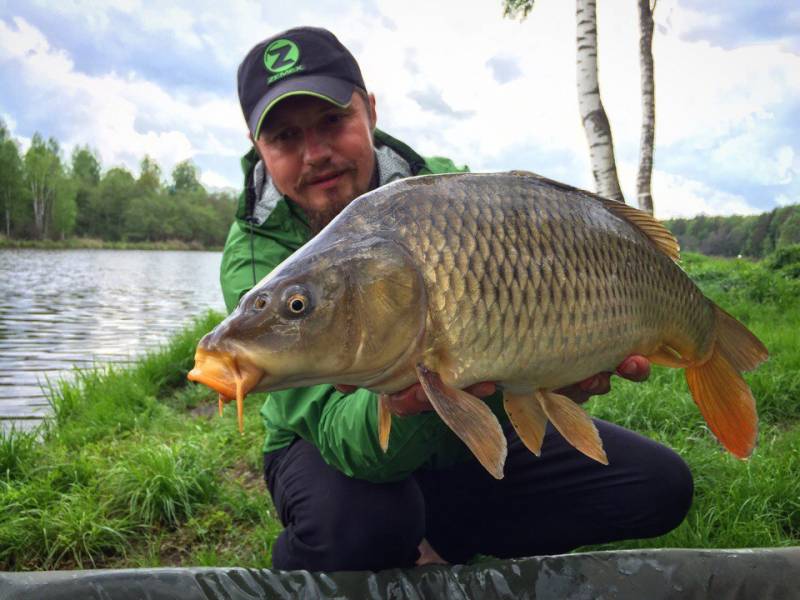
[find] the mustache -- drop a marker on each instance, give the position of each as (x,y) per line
(325,169)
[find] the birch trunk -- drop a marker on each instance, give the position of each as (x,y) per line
(37,196)
(593,115)
(647,142)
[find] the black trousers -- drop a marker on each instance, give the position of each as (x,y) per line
(545,505)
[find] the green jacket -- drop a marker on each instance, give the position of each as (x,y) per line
(342,426)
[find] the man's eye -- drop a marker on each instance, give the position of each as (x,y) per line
(333,118)
(285,135)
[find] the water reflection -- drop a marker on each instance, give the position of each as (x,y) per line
(66,308)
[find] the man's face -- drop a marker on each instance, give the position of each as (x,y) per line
(318,154)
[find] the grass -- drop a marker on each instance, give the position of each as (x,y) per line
(136,470)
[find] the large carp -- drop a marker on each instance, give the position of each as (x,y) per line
(455,279)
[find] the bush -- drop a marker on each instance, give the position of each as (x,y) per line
(786,260)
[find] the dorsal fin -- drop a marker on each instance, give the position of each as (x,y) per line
(647,224)
(643,221)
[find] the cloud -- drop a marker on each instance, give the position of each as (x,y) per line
(431,100)
(504,69)
(734,24)
(677,196)
(214,181)
(784,200)
(124,116)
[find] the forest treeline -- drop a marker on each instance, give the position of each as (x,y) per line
(754,236)
(45,196)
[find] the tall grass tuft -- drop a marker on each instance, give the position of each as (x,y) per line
(162,484)
(18,450)
(80,530)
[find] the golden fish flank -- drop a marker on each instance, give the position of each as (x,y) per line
(510,277)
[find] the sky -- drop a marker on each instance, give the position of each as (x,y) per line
(452,78)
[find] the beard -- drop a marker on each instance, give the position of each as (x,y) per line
(318,219)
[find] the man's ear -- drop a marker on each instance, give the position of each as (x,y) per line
(258,150)
(373,114)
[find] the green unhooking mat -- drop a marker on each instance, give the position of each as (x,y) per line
(649,574)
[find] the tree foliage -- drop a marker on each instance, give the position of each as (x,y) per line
(755,236)
(12,181)
(44,197)
(184,177)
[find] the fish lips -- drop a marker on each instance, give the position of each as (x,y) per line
(223,373)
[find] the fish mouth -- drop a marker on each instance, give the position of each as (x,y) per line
(223,373)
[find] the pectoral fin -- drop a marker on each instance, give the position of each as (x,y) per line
(469,418)
(528,418)
(384,422)
(573,423)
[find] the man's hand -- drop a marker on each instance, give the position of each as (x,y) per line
(412,400)
(633,368)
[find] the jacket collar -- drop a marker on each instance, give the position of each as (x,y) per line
(394,160)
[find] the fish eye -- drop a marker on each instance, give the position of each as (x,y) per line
(259,303)
(297,304)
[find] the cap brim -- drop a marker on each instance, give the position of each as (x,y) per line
(336,91)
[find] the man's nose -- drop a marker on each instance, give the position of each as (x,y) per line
(316,148)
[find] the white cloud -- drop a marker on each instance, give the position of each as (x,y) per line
(217,181)
(11,124)
(104,111)
(677,196)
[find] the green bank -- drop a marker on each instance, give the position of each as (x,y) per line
(135,468)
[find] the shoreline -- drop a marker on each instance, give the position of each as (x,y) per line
(95,244)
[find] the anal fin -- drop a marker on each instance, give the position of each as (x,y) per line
(528,418)
(469,418)
(573,423)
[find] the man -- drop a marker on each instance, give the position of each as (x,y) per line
(344,503)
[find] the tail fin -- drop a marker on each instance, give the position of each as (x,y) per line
(718,389)
(742,349)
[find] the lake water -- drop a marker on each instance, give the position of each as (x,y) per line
(65,308)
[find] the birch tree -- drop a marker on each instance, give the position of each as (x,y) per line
(593,115)
(647,78)
(43,172)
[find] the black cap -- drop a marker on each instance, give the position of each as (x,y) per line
(302,60)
